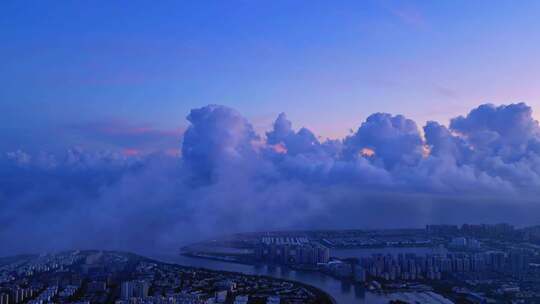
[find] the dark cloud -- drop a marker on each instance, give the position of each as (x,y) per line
(484,167)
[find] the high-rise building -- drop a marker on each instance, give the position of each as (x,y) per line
(134,289)
(221,296)
(458,242)
(273,300)
(241,300)
(4,298)
(18,295)
(126,290)
(518,261)
(323,254)
(291,252)
(359,274)
(496,260)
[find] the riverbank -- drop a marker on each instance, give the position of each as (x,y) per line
(340,291)
(319,295)
(227,259)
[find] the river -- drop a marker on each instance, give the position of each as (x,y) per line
(343,293)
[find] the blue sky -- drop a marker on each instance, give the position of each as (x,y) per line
(328,65)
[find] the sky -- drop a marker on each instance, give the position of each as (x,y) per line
(327,65)
(130,122)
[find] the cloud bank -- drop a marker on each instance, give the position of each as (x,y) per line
(483,167)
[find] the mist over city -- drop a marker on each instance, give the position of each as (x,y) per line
(225,177)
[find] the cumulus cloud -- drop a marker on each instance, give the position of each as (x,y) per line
(294,143)
(392,140)
(505,130)
(218,137)
(227,178)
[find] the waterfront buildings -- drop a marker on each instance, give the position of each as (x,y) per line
(122,278)
(295,254)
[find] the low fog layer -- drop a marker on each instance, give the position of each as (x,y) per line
(483,167)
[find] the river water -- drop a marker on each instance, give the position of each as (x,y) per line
(343,293)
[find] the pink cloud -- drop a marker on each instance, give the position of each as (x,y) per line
(131,152)
(130,138)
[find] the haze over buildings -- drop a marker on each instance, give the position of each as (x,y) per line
(229,178)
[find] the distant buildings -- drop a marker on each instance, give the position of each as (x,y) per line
(433,267)
(16,295)
(484,230)
(84,277)
(45,296)
(442,229)
(288,240)
(502,230)
(340,269)
(241,300)
(226,285)
(532,233)
(4,298)
(221,296)
(464,243)
(171,299)
(97,286)
(299,253)
(518,261)
(69,291)
(359,274)
(273,300)
(134,289)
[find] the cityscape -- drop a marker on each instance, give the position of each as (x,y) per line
(270,152)
(85,277)
(471,263)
